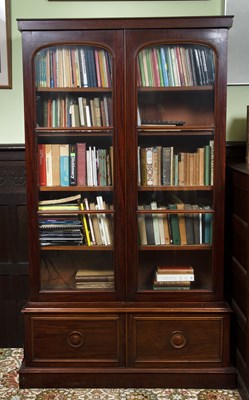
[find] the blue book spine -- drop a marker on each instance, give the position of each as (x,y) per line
(164,67)
(64,165)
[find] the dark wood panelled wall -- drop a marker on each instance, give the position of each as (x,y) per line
(13,244)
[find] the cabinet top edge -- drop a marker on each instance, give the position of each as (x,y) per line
(72,24)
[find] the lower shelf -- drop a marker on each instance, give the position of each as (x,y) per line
(220,378)
(127,347)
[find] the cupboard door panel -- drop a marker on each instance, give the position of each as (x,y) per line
(84,340)
(177,341)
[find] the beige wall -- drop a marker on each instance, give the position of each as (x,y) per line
(11,101)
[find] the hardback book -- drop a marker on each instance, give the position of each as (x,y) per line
(147,166)
(174,277)
(207,157)
(64,164)
(153,206)
(49,165)
(72,165)
(81,164)
(42,164)
(174,223)
(142,228)
(189,225)
(175,269)
(90,222)
(166,165)
(196,225)
(56,164)
(149,226)
(95,223)
(182,224)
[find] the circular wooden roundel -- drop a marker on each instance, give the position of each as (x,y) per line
(178,340)
(75,339)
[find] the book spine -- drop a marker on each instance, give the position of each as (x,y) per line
(72,165)
(64,165)
(42,164)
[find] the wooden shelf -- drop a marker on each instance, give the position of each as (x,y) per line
(76,188)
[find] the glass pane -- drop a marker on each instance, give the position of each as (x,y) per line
(76,168)
(175,167)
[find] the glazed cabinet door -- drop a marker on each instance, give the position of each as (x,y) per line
(175,191)
(76,164)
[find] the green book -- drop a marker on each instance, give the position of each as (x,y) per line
(207,156)
(174,223)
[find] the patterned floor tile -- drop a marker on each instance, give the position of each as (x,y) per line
(10,361)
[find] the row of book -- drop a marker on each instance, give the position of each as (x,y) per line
(75,165)
(163,66)
(66,111)
(94,278)
(161,166)
(61,224)
(183,228)
(173,277)
(73,66)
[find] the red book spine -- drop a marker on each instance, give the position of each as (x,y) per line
(42,164)
(81,164)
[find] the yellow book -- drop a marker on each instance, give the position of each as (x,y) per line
(85,226)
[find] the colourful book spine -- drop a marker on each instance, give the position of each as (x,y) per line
(174,222)
(164,67)
(81,164)
(64,164)
(42,164)
(72,165)
(207,157)
(85,226)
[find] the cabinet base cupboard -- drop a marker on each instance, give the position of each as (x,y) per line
(125,158)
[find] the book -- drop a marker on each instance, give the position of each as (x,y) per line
(81,164)
(166,165)
(72,165)
(49,165)
(174,277)
(147,166)
(207,157)
(90,222)
(42,164)
(141,228)
(149,226)
(155,221)
(182,224)
(85,226)
(61,200)
(174,223)
(189,225)
(95,223)
(175,269)
(64,165)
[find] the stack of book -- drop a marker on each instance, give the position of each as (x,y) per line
(62,222)
(62,229)
(94,279)
(173,278)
